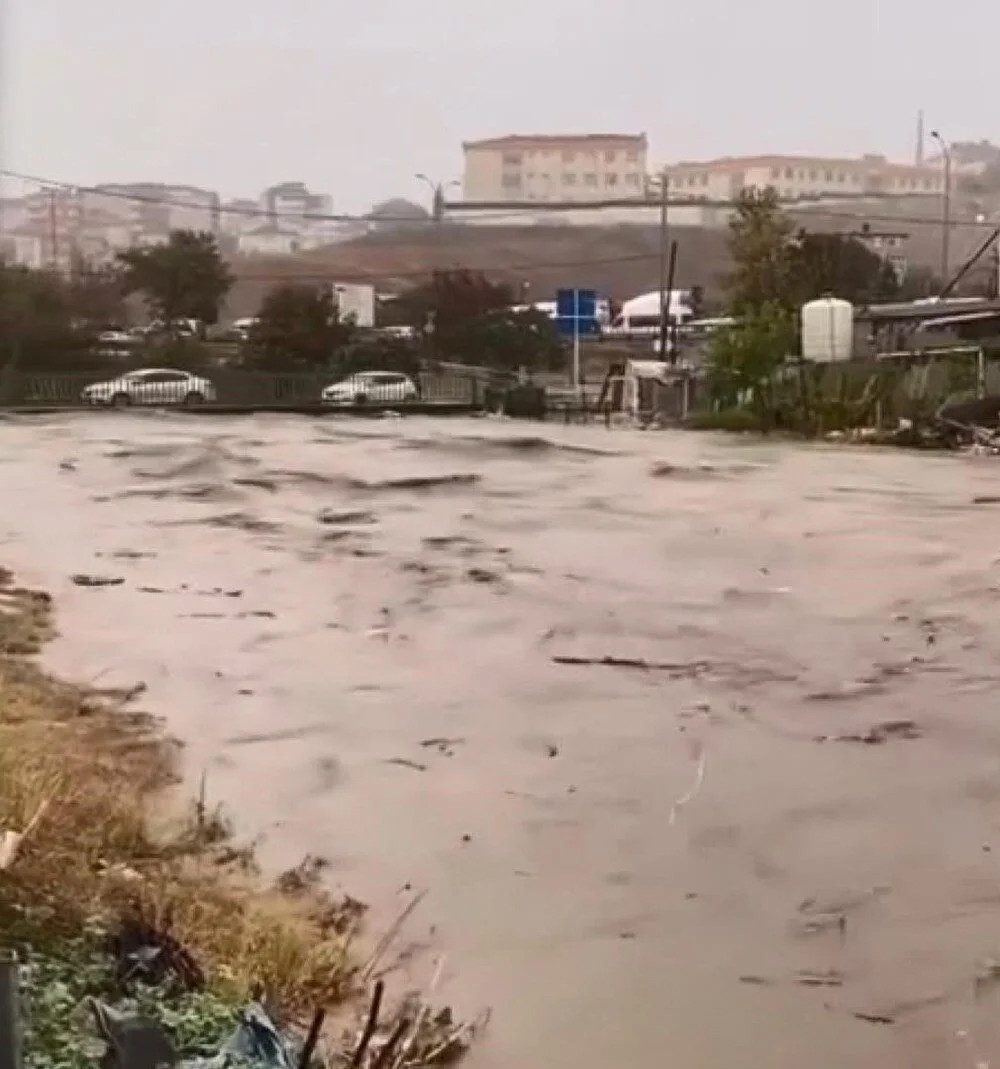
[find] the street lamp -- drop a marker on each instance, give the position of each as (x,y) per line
(437,195)
(946,205)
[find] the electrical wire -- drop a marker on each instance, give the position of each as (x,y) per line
(512,210)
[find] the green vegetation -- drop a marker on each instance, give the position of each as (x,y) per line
(754,377)
(184,278)
(297,328)
(78,776)
(465,318)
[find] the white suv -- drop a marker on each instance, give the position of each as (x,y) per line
(150,386)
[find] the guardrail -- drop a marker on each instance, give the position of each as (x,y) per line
(233,388)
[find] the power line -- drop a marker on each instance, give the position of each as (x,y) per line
(495,210)
(221,209)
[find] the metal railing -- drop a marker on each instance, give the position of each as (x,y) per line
(225,387)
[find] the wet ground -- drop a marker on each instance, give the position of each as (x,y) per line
(765,831)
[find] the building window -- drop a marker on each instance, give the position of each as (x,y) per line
(812,176)
(829,176)
(590,179)
(775,172)
(569,179)
(610,180)
(512,159)
(632,156)
(568,157)
(841,177)
(788,172)
(511,181)
(704,179)
(632,180)
(610,156)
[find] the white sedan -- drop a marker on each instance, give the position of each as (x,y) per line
(150,386)
(365,386)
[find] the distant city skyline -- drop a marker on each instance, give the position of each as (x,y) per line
(355,100)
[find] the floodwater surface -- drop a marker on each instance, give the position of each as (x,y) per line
(693,741)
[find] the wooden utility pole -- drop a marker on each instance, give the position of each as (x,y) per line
(53,232)
(664,264)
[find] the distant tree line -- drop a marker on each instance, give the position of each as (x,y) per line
(52,320)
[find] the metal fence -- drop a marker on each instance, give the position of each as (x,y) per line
(235,388)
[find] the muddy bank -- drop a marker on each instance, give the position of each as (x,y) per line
(690,739)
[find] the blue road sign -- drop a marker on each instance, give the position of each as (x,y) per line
(576,313)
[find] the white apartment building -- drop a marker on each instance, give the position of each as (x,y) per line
(555,167)
(797,177)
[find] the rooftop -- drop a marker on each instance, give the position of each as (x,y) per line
(556,140)
(739,163)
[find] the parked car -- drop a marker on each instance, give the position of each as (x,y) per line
(365,386)
(150,386)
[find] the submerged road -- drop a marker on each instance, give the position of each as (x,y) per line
(765,831)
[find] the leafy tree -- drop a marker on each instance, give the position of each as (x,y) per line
(451,299)
(185,278)
(37,328)
(744,361)
(507,340)
(467,318)
(839,265)
(298,327)
(761,250)
(95,295)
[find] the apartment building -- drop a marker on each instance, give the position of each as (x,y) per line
(294,202)
(554,167)
(797,177)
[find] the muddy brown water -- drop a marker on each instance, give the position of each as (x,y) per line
(694,864)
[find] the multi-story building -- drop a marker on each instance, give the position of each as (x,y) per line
(796,177)
(153,209)
(291,202)
(554,167)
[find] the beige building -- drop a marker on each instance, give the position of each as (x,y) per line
(547,168)
(797,177)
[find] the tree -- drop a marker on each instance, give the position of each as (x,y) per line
(451,299)
(761,251)
(469,319)
(37,324)
(744,361)
(298,326)
(185,278)
(838,265)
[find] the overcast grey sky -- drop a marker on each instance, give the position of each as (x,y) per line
(354,97)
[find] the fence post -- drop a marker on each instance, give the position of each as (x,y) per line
(10,1011)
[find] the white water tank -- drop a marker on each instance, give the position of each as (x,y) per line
(827,330)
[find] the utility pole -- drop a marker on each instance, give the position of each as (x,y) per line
(53,231)
(945,206)
(664,263)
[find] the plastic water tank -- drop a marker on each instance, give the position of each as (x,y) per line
(827,330)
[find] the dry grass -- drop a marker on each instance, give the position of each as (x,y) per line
(99,771)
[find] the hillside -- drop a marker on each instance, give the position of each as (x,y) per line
(618,261)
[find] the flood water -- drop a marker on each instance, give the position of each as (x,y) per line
(723,858)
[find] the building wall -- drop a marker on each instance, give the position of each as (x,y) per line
(590,167)
(796,177)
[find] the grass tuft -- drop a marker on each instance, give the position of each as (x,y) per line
(84,774)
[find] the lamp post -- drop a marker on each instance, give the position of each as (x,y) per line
(437,195)
(945,205)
